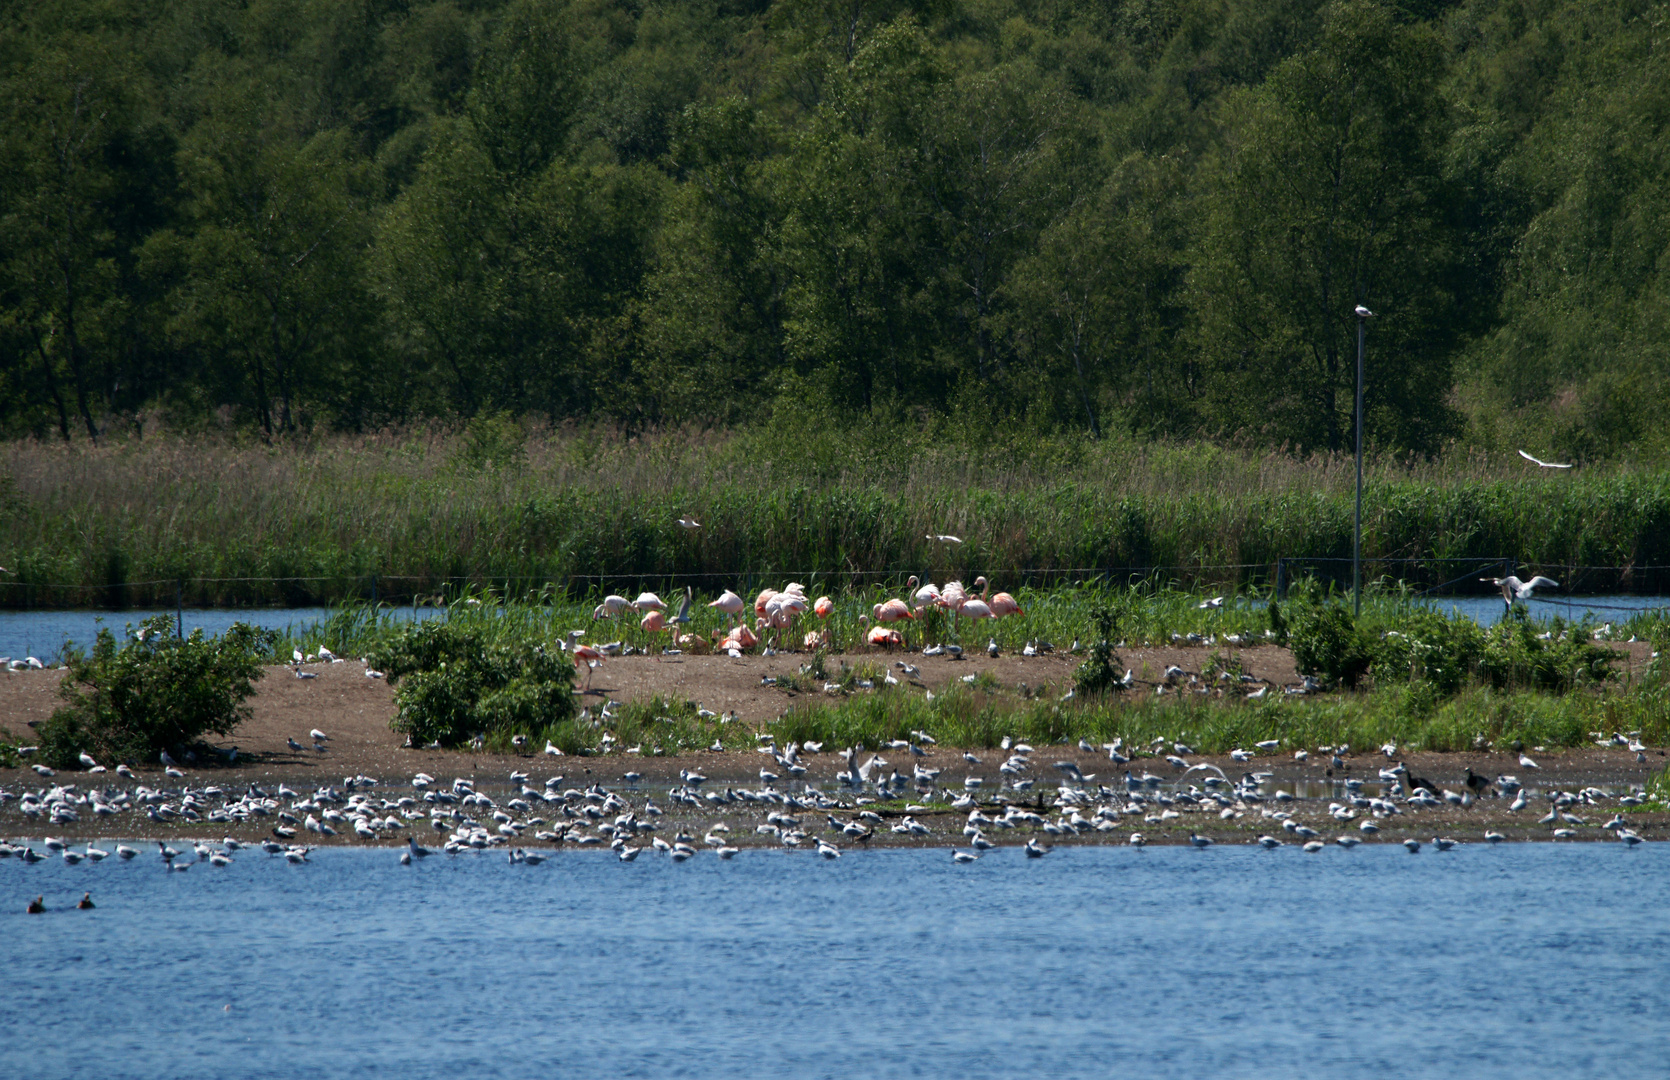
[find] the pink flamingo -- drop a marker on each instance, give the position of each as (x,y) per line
(610,607)
(590,657)
(729,603)
(648,600)
(822,607)
(740,638)
(653,621)
(1002,604)
(926,596)
(891,611)
(883,638)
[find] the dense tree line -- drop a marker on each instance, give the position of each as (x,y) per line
(1149,217)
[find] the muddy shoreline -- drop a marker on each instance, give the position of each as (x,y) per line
(355,711)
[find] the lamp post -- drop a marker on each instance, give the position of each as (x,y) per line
(1363,316)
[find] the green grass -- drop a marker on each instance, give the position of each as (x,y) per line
(976,718)
(420,513)
(1059,616)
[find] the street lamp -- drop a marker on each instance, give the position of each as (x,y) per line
(1363,316)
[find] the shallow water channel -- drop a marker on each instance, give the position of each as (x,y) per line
(1517,960)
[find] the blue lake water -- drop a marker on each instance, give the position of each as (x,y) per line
(1521,960)
(44,634)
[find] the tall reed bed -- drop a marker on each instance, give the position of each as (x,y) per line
(419,512)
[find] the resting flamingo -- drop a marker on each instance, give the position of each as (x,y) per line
(823,607)
(740,638)
(648,600)
(653,621)
(884,638)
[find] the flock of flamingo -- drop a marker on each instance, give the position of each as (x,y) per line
(775,611)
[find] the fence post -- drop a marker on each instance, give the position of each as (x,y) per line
(1281,578)
(373,590)
(179,609)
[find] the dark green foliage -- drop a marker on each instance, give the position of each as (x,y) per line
(1444,653)
(454,681)
(1100,670)
(153,693)
(1141,218)
(1278,623)
(1328,643)
(1521,654)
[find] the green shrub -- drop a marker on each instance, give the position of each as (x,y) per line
(1431,648)
(1658,787)
(1278,623)
(1517,656)
(156,692)
(452,682)
(1328,643)
(1100,671)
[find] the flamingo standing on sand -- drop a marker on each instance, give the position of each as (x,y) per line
(891,611)
(926,596)
(1002,604)
(729,603)
(610,607)
(590,656)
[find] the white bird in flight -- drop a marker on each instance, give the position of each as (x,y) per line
(1364,313)
(689,523)
(1514,589)
(945,538)
(1544,464)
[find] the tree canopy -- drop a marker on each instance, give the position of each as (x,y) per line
(1150,217)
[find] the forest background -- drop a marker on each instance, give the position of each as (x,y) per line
(1143,219)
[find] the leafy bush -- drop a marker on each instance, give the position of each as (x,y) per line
(1658,787)
(1278,623)
(1100,671)
(452,682)
(1328,643)
(1430,648)
(154,693)
(1516,655)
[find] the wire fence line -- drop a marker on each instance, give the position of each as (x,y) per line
(1425,576)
